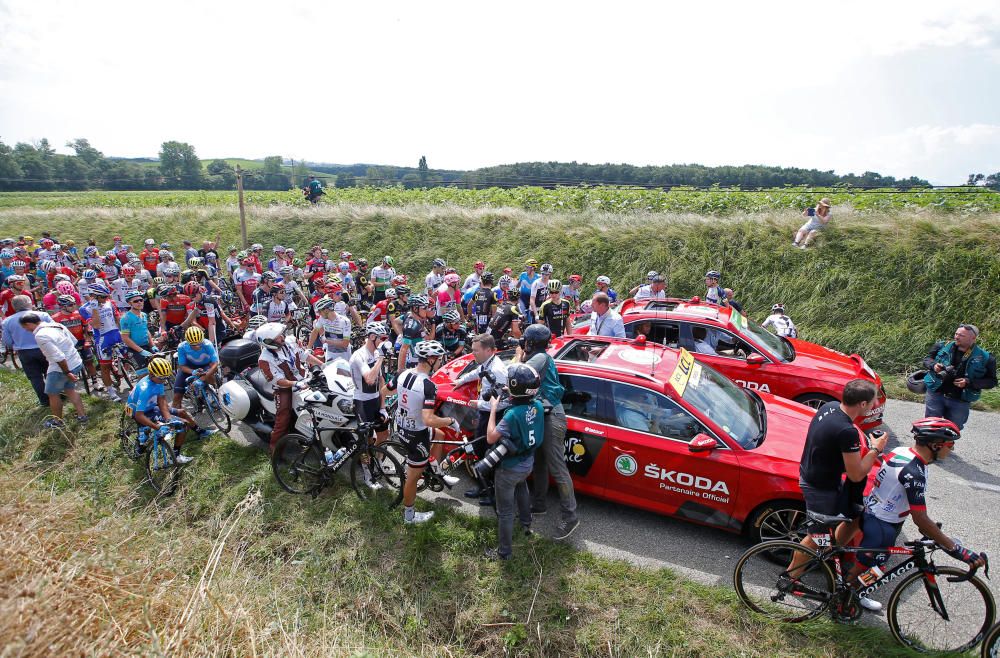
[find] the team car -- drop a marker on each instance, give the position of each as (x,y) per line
(746,353)
(651,427)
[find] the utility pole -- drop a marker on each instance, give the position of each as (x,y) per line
(243,212)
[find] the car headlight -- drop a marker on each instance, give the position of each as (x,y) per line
(345,406)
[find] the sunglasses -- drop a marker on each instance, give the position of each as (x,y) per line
(135,301)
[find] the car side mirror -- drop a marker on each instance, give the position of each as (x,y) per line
(703,443)
(755,360)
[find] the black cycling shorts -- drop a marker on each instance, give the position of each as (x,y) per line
(368,412)
(843,500)
(418,447)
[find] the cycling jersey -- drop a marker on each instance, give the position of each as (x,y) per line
(483,303)
(144,397)
(432,281)
(472,281)
(362,361)
(74,322)
(554,315)
(150,259)
(451,339)
(502,320)
(900,486)
(110,271)
(525,282)
(232,264)
(315,268)
(136,327)
(612,294)
(277,311)
(394,309)
(416,392)
(646,292)
(413,333)
(539,292)
(207,311)
(381,276)
(572,295)
(715,295)
(336,328)
(107,316)
(192,358)
(447,300)
(260,300)
(120,288)
(783,325)
(378,311)
(175,308)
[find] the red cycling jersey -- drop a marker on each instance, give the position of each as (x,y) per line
(175,308)
(150,258)
(72,321)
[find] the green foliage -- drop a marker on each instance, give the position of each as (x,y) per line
(179,163)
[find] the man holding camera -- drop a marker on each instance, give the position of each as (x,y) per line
(492,375)
(957,373)
(520,432)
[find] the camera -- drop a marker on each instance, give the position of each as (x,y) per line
(500,449)
(948,373)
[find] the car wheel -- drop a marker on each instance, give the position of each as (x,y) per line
(814,400)
(780,519)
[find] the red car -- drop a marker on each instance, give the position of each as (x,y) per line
(748,354)
(651,427)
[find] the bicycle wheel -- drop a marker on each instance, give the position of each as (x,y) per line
(398,452)
(991,643)
(768,589)
(302,331)
(917,609)
(162,469)
(128,435)
(215,412)
(124,374)
(377,475)
(298,464)
(192,402)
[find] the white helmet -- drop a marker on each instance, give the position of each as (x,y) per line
(428,348)
(256,322)
(605,280)
(376,328)
(268,333)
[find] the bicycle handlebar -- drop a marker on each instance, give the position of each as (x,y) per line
(972,571)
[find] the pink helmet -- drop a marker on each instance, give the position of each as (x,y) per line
(65,288)
(452,279)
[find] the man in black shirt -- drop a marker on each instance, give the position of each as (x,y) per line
(833,447)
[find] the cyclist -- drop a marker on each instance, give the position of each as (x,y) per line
(652,290)
(365,287)
(277,309)
(332,329)
(448,296)
(649,279)
(715,293)
(416,421)
(147,405)
(246,280)
(366,371)
(123,285)
(381,276)
(524,426)
(255,252)
(293,290)
(604,285)
(134,329)
(435,277)
(253,324)
(571,292)
(474,280)
(150,256)
(525,283)
(900,490)
(262,295)
(451,334)
(506,318)
(72,317)
(783,325)
(378,311)
(554,311)
(279,259)
(414,331)
(232,261)
(194,354)
(174,305)
(540,290)
(396,308)
(484,301)
(206,311)
(104,320)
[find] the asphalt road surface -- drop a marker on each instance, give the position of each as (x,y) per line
(963,494)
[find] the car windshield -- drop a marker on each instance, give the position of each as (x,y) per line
(732,408)
(776,345)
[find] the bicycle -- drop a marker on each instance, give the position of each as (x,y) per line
(124,373)
(991,643)
(300,462)
(925,611)
(301,325)
(462,453)
(200,396)
(162,469)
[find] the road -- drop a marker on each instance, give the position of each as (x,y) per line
(964,494)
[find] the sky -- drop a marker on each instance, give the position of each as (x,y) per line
(901,88)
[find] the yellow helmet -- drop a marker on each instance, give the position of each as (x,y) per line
(194,334)
(160,367)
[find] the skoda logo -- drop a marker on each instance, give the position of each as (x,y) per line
(625,464)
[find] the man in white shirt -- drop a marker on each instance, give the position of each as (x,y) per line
(366,371)
(604,321)
(435,277)
(474,280)
(65,365)
(653,290)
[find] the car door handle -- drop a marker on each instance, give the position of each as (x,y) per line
(622,450)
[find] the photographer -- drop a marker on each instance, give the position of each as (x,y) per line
(521,430)
(957,373)
(492,373)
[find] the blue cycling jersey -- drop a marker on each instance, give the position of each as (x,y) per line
(137,328)
(190,357)
(145,396)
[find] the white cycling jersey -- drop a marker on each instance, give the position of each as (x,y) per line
(783,325)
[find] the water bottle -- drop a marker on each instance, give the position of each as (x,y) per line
(869,577)
(328,457)
(339,454)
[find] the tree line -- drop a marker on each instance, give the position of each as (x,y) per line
(38,167)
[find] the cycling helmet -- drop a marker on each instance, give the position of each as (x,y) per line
(57,247)
(6,253)
(505,281)
(334,288)
(452,280)
(59,278)
(450,270)
(231,248)
(110,256)
(45,242)
(451,316)
(325,304)
(66,300)
(915,382)
(344,266)
(158,280)
(149,242)
(278,249)
(532,263)
(285,271)
(362,263)
(89,275)
(65,288)
(173,270)
(133,258)
(935,429)
(398,280)
(555,285)
(376,328)
(575,278)
(391,293)
(487,278)
(604,280)
(166,290)
(713,274)
(128,270)
(418,301)
(18,263)
(402,291)
(267,335)
(244,254)
(247,262)
(47,265)
(17,278)
(778,308)
(256,322)
(297,262)
(537,337)
(428,348)
(388,261)
(164,245)
(279,287)
(191,288)
(439,262)
(256,246)
(160,368)
(90,251)
(99,290)
(480,265)
(333,277)
(269,276)
(165,255)
(196,262)
(325,252)
(194,334)
(345,255)
(546,268)
(522,382)
(134,294)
